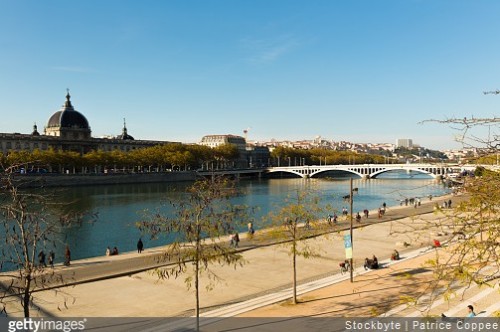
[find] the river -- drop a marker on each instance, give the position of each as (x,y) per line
(118,207)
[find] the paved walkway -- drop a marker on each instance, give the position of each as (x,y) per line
(115,287)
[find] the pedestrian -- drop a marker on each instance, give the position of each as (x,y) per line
(251,231)
(470,310)
(52,257)
(449,204)
(108,251)
(140,246)
(41,259)
(235,239)
(115,251)
(67,256)
(384,206)
(358,217)
(366,212)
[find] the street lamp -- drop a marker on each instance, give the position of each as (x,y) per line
(351,193)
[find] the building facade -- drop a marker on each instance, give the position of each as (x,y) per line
(69,130)
(404,143)
(250,155)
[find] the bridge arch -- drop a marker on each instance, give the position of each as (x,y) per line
(289,171)
(386,170)
(319,171)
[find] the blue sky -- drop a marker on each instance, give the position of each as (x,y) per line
(362,71)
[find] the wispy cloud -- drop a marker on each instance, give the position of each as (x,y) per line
(263,51)
(73,69)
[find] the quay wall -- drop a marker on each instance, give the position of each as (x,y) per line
(68,180)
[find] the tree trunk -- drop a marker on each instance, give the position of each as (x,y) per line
(197,275)
(26,297)
(294,274)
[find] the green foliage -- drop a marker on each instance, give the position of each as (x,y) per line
(473,255)
(424,153)
(202,217)
(322,156)
(295,224)
(159,158)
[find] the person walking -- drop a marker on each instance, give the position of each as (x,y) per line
(67,256)
(140,246)
(41,259)
(251,230)
(52,256)
(235,239)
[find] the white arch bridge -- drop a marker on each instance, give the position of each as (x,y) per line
(373,170)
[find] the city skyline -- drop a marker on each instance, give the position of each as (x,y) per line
(359,71)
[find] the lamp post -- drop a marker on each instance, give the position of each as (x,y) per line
(351,194)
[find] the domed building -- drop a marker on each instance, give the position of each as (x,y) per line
(68,123)
(69,130)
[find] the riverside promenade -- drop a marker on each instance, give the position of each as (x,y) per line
(119,286)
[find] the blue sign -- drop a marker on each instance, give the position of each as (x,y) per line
(347,241)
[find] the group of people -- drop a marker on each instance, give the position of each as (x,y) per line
(110,252)
(415,201)
(41,259)
(331,218)
(371,263)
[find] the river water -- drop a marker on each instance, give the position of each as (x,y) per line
(119,207)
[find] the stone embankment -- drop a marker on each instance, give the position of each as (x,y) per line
(66,180)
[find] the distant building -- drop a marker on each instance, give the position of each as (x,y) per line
(69,130)
(214,141)
(404,143)
(250,155)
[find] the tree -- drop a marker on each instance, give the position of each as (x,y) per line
(29,225)
(294,223)
(473,253)
(203,215)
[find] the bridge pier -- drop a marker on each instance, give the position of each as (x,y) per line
(365,177)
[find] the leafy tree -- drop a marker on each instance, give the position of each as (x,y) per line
(294,224)
(201,218)
(473,253)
